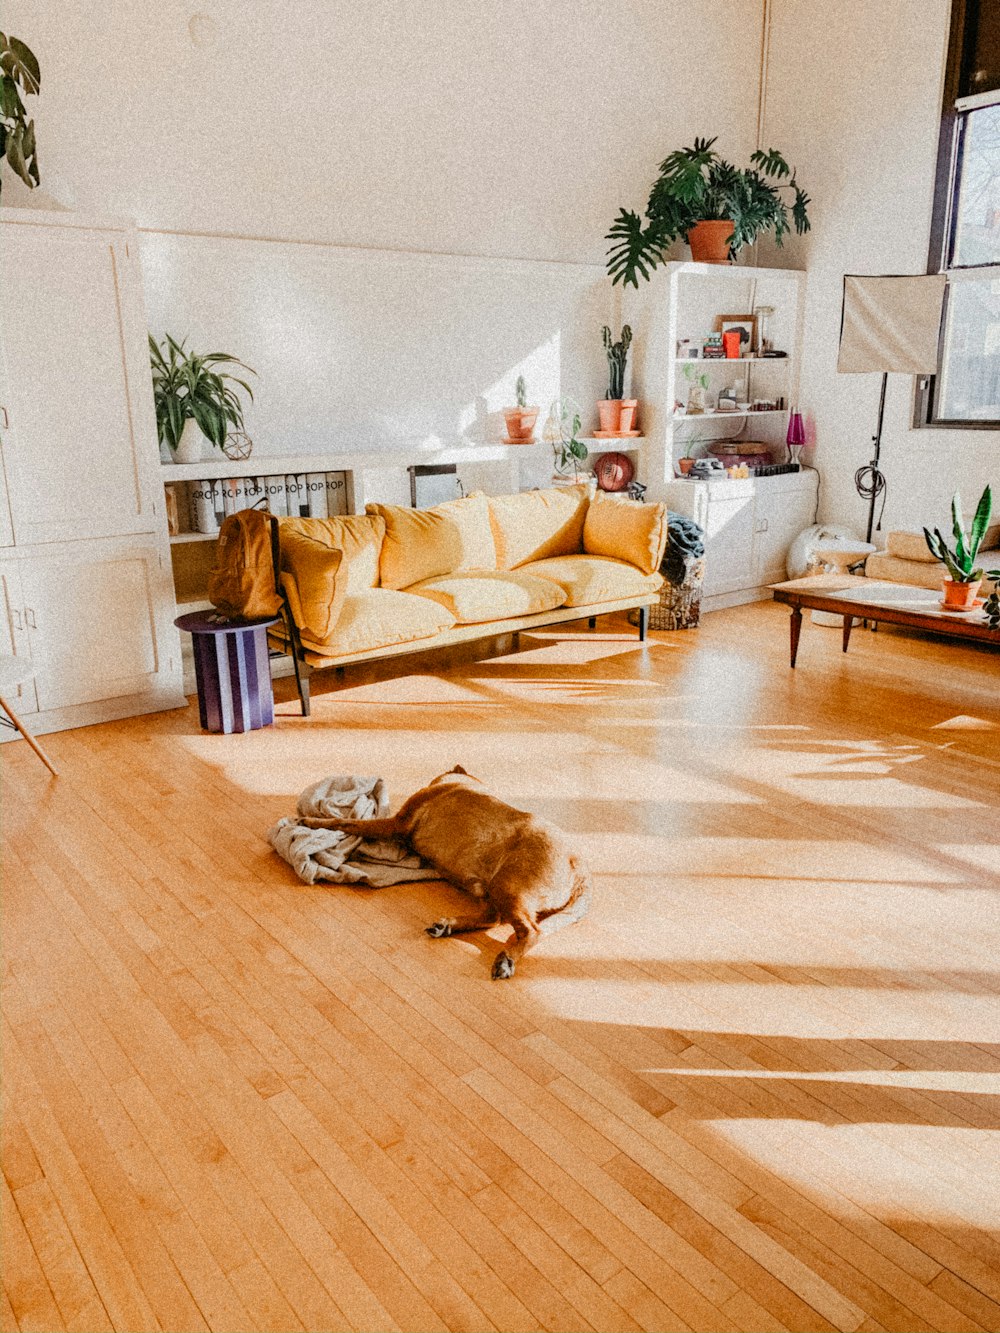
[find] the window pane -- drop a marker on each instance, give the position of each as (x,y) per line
(969,385)
(977,230)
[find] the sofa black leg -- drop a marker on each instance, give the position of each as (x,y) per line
(592,622)
(305,671)
(643,623)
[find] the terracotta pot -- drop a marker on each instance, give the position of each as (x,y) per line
(709,242)
(626,421)
(610,412)
(520,423)
(685,465)
(960,596)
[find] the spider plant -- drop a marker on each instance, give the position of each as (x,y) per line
(189,386)
(696,185)
(960,560)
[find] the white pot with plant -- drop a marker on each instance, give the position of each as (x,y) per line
(195,402)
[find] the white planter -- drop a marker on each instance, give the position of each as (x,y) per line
(191,445)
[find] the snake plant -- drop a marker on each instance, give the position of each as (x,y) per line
(960,560)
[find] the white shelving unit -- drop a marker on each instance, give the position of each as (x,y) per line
(683,301)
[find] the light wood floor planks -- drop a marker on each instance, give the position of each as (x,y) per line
(757,1089)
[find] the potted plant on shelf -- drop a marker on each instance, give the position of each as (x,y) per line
(717,207)
(698,381)
(520,420)
(18,66)
(616,412)
(962,581)
(194,401)
(563,430)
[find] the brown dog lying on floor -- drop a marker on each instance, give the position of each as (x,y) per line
(517,865)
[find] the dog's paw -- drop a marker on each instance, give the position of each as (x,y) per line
(441,928)
(503,966)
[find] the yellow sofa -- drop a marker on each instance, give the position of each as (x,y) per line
(396,580)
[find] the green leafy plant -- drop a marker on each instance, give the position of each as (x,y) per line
(18,70)
(991,607)
(522,393)
(697,185)
(188,386)
(617,358)
(568,448)
(692,376)
(960,560)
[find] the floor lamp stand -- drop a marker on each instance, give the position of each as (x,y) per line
(869,480)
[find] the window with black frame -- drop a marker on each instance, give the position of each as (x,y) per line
(965,240)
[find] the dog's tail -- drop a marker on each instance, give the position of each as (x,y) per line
(576,906)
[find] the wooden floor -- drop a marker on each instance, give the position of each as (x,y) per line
(757,1089)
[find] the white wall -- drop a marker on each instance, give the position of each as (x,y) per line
(854,97)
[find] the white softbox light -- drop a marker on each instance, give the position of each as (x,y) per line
(891,324)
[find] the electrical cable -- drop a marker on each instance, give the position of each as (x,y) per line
(870,484)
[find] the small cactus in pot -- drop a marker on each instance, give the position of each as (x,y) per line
(520,420)
(961,583)
(617,413)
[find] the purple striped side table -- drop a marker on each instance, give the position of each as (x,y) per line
(233,671)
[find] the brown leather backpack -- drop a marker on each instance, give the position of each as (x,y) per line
(243,581)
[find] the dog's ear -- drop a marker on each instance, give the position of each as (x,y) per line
(459,769)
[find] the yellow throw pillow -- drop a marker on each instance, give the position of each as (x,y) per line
(358,536)
(474,597)
(423,543)
(537,524)
(310,571)
(623,529)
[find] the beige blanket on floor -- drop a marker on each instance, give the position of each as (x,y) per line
(328,854)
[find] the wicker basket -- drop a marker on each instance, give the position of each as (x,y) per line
(679,606)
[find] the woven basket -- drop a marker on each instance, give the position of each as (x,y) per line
(679,606)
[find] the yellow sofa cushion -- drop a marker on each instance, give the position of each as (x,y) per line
(586,579)
(378,618)
(358,536)
(311,577)
(473,598)
(538,524)
(625,530)
(422,543)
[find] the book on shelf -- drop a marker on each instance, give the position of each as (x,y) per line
(203,515)
(316,495)
(253,490)
(295,493)
(178,507)
(336,493)
(276,495)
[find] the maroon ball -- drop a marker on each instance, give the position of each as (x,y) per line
(614,472)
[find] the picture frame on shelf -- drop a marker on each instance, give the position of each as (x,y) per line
(745,325)
(688,350)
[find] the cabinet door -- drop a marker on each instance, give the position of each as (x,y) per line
(76,386)
(729,524)
(93,621)
(779,517)
(13,630)
(6,527)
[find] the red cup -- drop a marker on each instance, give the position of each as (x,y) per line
(731,344)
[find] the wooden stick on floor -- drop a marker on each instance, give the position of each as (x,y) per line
(28,737)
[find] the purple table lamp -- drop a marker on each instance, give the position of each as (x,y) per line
(796,436)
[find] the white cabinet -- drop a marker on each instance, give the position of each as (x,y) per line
(86,571)
(14,628)
(749,526)
(80,443)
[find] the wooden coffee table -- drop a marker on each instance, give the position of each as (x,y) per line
(872,599)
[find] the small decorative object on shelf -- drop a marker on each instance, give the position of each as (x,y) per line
(616,412)
(238,446)
(744,326)
(520,420)
(796,436)
(194,400)
(991,607)
(962,581)
(717,207)
(696,393)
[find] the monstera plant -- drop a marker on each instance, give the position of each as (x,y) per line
(708,201)
(18,72)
